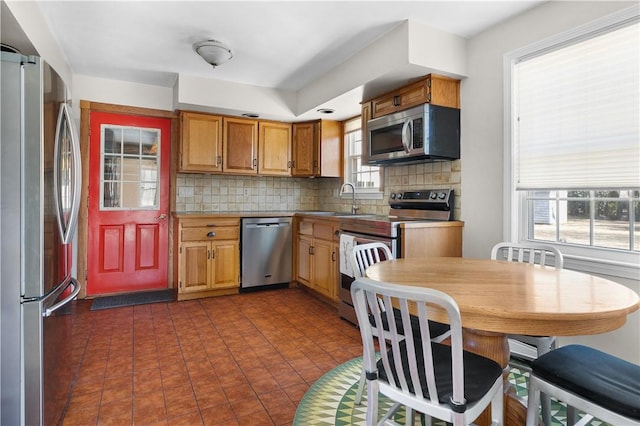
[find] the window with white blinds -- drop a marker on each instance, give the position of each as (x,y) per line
(577,113)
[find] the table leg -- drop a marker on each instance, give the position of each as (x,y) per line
(496,347)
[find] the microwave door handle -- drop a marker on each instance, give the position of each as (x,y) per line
(406,135)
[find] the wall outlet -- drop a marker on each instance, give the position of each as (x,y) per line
(185,191)
(246,192)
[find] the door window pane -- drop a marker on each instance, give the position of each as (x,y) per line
(130,168)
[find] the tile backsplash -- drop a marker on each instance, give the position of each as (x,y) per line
(222,193)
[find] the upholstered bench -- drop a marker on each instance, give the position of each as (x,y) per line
(601,385)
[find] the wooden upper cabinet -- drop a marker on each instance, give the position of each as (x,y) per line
(433,89)
(329,149)
(240,149)
(303,148)
(317,149)
(200,143)
(274,149)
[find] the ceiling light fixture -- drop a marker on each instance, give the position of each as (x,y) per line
(213,51)
(326,111)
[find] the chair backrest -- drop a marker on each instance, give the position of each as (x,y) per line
(365,255)
(531,253)
(367,296)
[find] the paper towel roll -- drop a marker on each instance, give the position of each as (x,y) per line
(346,248)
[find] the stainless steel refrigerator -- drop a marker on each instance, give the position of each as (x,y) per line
(40,192)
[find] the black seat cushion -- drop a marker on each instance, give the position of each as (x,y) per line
(480,373)
(435,328)
(601,378)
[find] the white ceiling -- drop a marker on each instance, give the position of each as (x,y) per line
(284,45)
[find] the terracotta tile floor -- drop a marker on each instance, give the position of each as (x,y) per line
(235,360)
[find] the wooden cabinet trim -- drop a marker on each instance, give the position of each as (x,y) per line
(432,88)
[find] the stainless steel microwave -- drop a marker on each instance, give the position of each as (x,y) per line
(419,134)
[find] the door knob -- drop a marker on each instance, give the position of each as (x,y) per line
(162,217)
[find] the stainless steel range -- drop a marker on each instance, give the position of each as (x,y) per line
(404,206)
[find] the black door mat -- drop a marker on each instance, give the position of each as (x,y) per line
(130,299)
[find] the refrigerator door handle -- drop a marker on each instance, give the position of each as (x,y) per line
(62,164)
(76,289)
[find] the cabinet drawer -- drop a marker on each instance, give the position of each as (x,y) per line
(305,228)
(323,231)
(210,233)
(210,222)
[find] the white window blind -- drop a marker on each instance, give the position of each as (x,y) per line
(578,114)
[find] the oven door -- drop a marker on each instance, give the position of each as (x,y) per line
(345,306)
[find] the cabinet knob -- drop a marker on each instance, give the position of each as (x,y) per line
(396,100)
(211,234)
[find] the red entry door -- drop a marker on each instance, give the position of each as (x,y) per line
(128,203)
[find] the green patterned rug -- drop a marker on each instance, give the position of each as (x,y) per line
(330,400)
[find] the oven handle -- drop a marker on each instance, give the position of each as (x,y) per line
(364,239)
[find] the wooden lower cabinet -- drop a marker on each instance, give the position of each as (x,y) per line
(208,257)
(317,258)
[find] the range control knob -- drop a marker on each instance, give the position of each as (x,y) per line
(399,196)
(442,195)
(393,196)
(433,196)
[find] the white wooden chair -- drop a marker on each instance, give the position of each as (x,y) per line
(540,255)
(363,256)
(439,380)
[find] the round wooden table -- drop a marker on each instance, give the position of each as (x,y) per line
(497,298)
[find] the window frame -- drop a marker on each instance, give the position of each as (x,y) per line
(361,192)
(598,260)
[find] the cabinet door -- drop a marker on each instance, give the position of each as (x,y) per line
(303,149)
(240,139)
(225,259)
(200,142)
(304,260)
(274,149)
(324,259)
(365,117)
(329,150)
(385,105)
(194,267)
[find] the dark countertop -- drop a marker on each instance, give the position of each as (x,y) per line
(342,217)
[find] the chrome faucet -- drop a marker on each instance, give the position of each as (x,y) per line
(354,209)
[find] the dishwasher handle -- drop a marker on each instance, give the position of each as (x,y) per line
(267,225)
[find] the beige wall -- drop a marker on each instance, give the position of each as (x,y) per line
(482,145)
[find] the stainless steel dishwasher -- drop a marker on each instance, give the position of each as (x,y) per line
(266,251)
